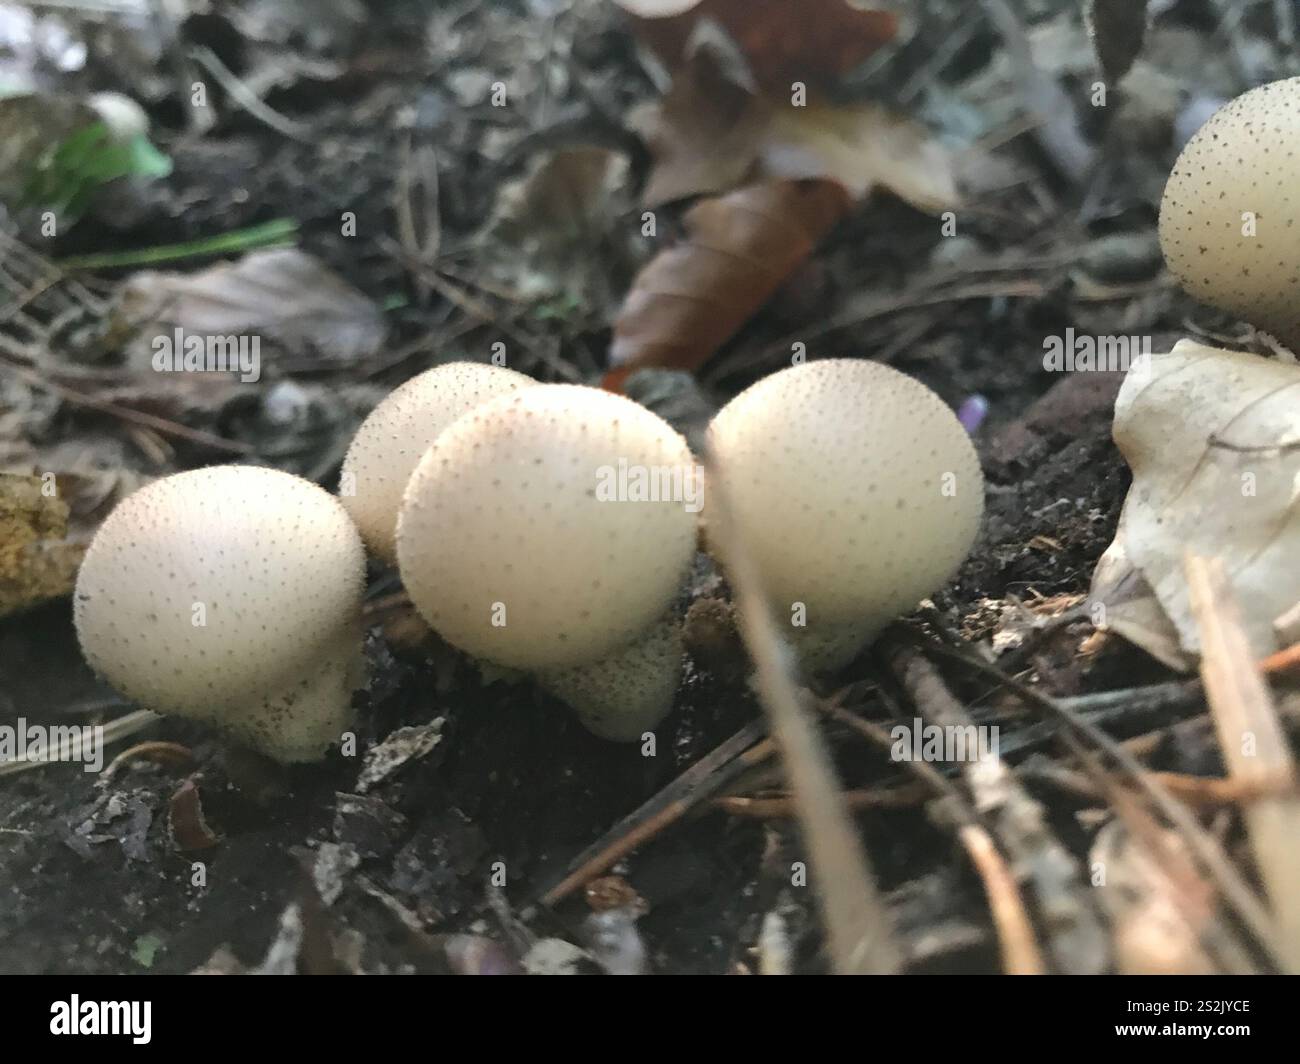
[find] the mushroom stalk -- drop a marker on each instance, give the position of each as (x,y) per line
(628,693)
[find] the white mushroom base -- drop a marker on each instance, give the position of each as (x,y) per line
(622,696)
(827,648)
(302,719)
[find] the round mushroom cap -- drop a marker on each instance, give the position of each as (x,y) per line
(230,594)
(1230,217)
(541,529)
(391,441)
(857,490)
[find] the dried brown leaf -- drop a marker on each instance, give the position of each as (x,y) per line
(740,247)
(703,135)
(813,41)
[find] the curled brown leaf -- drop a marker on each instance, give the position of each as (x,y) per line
(739,249)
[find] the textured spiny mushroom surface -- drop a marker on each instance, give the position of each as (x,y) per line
(856,489)
(231,595)
(391,441)
(511,549)
(1230,217)
(623,696)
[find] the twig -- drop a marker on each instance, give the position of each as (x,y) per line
(158,750)
(702,780)
(120,728)
(783,806)
(1254,746)
(247,98)
(858,925)
(135,417)
(455,294)
(1284,661)
(1077,939)
(1020,953)
(1041,95)
(1204,846)
(1019,946)
(419,166)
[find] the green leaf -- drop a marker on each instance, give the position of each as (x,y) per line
(66,178)
(146,949)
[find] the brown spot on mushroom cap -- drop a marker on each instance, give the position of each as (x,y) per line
(273,568)
(1246,158)
(504,509)
(391,441)
(856,488)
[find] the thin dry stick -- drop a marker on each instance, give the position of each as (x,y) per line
(1283,661)
(70,748)
(702,780)
(1253,742)
(1078,941)
(858,926)
(1236,891)
(247,98)
(1019,946)
(783,806)
(1201,792)
(419,166)
(1020,954)
(157,750)
(123,413)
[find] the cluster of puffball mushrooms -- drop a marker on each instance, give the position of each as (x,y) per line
(232,594)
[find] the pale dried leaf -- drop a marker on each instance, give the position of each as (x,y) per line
(863,148)
(1214,444)
(282,294)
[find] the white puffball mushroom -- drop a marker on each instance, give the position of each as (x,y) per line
(629,693)
(230,595)
(513,541)
(391,441)
(1230,216)
(857,491)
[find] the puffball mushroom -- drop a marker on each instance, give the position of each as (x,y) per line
(524,540)
(391,441)
(230,595)
(622,696)
(858,493)
(1230,217)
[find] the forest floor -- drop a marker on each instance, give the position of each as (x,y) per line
(367,107)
